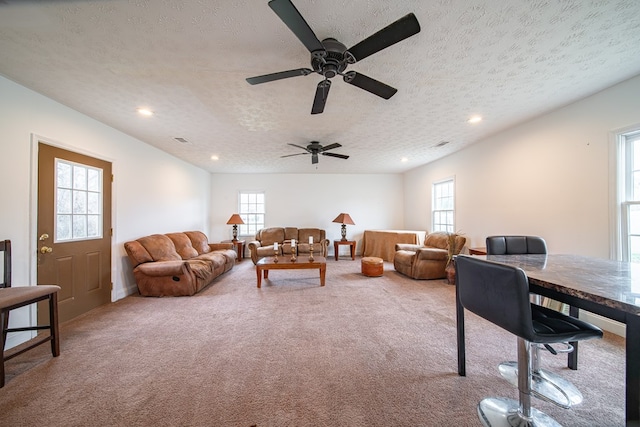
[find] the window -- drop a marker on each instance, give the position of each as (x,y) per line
(78,202)
(443,202)
(629,194)
(252,212)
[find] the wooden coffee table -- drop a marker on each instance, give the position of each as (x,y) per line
(284,263)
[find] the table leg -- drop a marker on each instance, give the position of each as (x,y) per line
(353,252)
(323,273)
(633,370)
(335,250)
(259,273)
(462,370)
(572,358)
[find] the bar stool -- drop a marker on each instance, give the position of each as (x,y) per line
(546,385)
(500,294)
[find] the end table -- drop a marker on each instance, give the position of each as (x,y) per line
(239,247)
(352,246)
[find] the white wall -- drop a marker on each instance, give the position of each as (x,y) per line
(310,200)
(153,192)
(547,177)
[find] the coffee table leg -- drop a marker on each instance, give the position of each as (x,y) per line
(323,271)
(259,273)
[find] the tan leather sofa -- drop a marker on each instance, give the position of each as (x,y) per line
(428,261)
(177,264)
(262,246)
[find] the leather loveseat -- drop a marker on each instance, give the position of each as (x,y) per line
(262,246)
(430,260)
(177,264)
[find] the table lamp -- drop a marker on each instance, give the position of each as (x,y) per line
(235,220)
(344,219)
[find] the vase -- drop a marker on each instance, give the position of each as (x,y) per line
(450,269)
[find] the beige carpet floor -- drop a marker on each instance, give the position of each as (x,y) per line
(358,352)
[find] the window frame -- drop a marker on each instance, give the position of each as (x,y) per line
(437,210)
(626,201)
(251,218)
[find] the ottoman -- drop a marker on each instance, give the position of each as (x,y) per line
(372,266)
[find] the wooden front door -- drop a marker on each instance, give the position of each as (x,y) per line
(74,229)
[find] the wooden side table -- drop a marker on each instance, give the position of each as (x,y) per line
(239,247)
(477,251)
(352,246)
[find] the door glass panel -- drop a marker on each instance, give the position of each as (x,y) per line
(78,202)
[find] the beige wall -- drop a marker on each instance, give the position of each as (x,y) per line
(153,191)
(313,200)
(548,177)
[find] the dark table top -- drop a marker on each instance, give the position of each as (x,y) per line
(615,284)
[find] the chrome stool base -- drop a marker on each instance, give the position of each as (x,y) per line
(545,385)
(503,412)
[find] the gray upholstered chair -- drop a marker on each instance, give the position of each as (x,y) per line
(500,294)
(20,296)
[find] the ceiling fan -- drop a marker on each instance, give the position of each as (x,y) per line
(330,57)
(314,148)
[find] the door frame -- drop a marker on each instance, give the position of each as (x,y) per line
(33,212)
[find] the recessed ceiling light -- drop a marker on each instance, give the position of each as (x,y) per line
(214,157)
(145,112)
(475,119)
(404,160)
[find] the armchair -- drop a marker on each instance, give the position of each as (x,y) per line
(430,260)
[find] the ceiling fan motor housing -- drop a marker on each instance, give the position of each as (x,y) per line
(334,62)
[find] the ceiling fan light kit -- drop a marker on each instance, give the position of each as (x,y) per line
(330,57)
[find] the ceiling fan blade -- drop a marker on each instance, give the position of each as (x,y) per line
(331,146)
(340,156)
(370,85)
(297,154)
(280,75)
(401,29)
(288,13)
(314,158)
(322,91)
(301,147)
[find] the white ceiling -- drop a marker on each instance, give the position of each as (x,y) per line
(187,61)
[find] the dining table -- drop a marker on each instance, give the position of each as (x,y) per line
(605,287)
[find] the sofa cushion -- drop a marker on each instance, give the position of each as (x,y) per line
(183,245)
(269,236)
(305,233)
(160,247)
(437,239)
(199,241)
(137,253)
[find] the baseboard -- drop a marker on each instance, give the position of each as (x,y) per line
(604,323)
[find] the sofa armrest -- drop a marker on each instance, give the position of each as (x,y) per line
(220,246)
(408,247)
(162,268)
(432,254)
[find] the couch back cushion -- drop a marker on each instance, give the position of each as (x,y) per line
(290,233)
(137,253)
(316,233)
(199,241)
(160,248)
(268,236)
(437,239)
(183,245)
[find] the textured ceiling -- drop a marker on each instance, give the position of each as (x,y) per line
(507,61)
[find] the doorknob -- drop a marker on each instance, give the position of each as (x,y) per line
(46,250)
(45,236)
